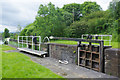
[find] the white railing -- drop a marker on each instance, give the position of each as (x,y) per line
(25,40)
(101,37)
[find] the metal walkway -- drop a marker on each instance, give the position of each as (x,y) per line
(32,51)
(30,44)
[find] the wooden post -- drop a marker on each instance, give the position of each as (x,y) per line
(79,52)
(101,56)
(48,50)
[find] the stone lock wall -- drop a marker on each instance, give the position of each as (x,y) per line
(69,53)
(63,52)
(112,62)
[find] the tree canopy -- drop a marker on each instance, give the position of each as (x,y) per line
(6,33)
(73,20)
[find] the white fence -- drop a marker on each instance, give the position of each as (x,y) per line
(26,40)
(106,38)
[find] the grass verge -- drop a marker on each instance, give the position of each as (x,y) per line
(114,44)
(17,65)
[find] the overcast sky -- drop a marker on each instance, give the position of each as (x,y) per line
(23,12)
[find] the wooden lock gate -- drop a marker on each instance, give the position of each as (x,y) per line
(89,55)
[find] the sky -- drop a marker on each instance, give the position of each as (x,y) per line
(23,12)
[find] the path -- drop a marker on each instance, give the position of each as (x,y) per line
(67,71)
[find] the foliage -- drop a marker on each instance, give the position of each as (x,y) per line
(77,29)
(89,18)
(6,33)
(49,21)
(114,8)
(73,8)
(94,23)
(23,32)
(19,28)
(84,9)
(89,7)
(68,17)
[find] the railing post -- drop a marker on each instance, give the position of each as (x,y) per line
(82,36)
(18,41)
(39,42)
(110,40)
(22,41)
(27,41)
(32,42)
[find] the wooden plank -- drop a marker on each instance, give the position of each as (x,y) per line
(101,57)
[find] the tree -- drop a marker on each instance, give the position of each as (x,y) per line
(49,21)
(77,29)
(89,7)
(73,8)
(19,28)
(68,17)
(6,33)
(114,8)
(93,23)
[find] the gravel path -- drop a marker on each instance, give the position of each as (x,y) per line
(67,71)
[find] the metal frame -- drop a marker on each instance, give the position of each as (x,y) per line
(27,42)
(94,35)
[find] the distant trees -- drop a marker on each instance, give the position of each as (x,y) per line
(49,21)
(114,8)
(89,18)
(93,23)
(90,7)
(73,8)
(79,10)
(19,28)
(6,33)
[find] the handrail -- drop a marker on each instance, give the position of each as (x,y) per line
(27,42)
(76,39)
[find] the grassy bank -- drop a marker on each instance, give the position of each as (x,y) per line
(17,65)
(114,44)
(0,62)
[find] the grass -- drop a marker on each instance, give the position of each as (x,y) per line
(6,47)
(114,44)
(64,42)
(17,65)
(0,62)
